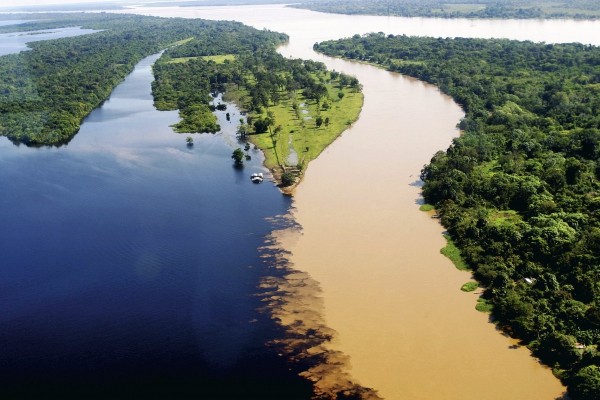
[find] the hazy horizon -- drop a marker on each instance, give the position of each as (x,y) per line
(28,3)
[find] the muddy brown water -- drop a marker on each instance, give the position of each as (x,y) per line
(372,258)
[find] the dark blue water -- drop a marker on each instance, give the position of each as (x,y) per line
(129,262)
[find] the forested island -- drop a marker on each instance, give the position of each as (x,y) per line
(294,108)
(578,9)
(519,190)
(46,92)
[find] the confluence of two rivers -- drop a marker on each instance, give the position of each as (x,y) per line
(391,296)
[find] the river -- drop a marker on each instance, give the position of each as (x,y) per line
(130,263)
(373,258)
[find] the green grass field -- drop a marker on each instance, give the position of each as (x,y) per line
(469,286)
(453,253)
(219,59)
(484,305)
(427,207)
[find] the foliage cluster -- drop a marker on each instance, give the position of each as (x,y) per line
(46,92)
(469,287)
(519,190)
(187,74)
(580,9)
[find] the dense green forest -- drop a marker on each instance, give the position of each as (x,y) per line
(46,92)
(581,9)
(187,74)
(519,190)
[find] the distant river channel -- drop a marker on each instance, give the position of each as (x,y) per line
(132,264)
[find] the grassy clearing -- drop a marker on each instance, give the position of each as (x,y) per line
(469,286)
(184,41)
(218,59)
(398,62)
(503,218)
(180,60)
(299,133)
(453,253)
(484,305)
(427,207)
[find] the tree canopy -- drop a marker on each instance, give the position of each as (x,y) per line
(46,92)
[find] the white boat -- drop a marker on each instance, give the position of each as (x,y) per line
(257,177)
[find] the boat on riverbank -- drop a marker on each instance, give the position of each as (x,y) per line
(257,177)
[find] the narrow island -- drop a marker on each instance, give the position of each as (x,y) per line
(292,108)
(519,190)
(495,9)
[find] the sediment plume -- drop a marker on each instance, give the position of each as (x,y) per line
(293,300)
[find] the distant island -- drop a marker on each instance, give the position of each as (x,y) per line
(521,9)
(519,190)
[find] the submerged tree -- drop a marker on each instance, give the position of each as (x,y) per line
(287,179)
(238,157)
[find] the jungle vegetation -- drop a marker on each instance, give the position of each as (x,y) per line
(579,9)
(46,92)
(519,190)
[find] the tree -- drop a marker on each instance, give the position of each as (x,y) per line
(287,179)
(585,384)
(261,125)
(319,121)
(238,157)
